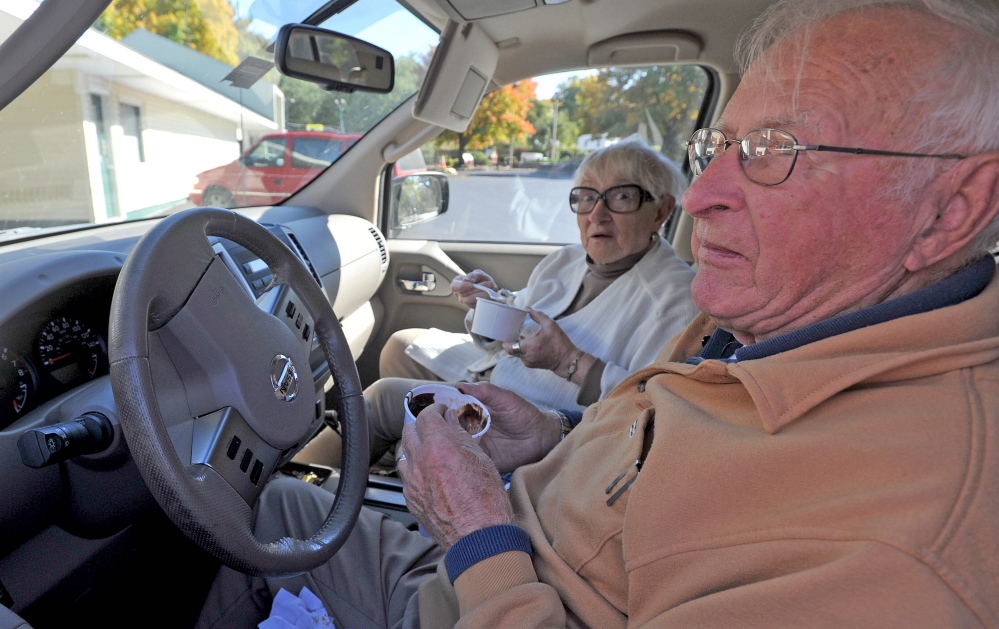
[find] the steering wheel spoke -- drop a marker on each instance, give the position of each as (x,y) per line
(224,442)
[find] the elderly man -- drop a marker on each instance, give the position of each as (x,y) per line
(819,447)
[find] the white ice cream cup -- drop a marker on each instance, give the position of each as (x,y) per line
(472,414)
(496,320)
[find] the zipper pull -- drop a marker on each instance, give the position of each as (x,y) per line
(617,480)
(617,494)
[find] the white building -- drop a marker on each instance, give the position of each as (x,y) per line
(591,142)
(112,115)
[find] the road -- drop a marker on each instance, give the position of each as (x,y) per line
(504,206)
(496,206)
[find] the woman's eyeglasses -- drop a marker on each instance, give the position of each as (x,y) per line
(618,199)
(768,155)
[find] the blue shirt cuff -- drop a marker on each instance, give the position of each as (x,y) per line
(483,544)
(573,416)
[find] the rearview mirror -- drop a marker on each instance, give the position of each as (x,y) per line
(415,199)
(334,61)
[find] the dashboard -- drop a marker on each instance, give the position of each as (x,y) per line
(53,335)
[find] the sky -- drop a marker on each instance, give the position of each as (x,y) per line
(382,22)
(548,83)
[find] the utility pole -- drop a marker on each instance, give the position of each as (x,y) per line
(554,143)
(341,103)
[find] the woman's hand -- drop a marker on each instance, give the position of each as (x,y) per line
(462,286)
(451,486)
(519,432)
(549,349)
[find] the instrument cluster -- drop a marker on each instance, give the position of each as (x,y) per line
(44,354)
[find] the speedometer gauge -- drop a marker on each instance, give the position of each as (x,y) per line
(17,385)
(70,350)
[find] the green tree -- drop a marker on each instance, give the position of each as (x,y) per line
(501,118)
(540,117)
(618,101)
(307,103)
(204,25)
(250,43)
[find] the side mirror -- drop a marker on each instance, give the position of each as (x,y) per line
(416,199)
(334,61)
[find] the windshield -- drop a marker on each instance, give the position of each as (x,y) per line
(169,104)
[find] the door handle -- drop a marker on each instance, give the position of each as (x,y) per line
(278,182)
(428,283)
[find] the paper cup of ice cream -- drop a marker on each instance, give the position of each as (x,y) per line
(497,320)
(472,414)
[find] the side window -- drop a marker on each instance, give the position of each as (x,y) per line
(509,174)
(268,154)
(316,152)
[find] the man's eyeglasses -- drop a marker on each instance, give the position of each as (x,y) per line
(768,155)
(618,199)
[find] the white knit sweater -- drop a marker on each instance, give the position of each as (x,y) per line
(625,326)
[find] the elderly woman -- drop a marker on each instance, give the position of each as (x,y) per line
(603,307)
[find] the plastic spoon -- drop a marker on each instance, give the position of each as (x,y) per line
(494,295)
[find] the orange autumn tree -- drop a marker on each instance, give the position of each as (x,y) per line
(500,119)
(204,25)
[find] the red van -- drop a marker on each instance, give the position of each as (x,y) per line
(271,170)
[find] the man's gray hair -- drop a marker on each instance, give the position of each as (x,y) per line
(963,119)
(638,163)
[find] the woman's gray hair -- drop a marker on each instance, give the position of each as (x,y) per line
(636,162)
(962,119)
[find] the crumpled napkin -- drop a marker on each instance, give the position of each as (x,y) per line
(304,611)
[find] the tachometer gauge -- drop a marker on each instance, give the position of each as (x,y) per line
(17,385)
(70,350)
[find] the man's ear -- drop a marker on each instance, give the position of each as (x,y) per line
(966,203)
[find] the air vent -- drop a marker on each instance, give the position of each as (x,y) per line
(303,255)
(381,247)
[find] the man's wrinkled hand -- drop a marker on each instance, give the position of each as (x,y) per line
(519,432)
(451,486)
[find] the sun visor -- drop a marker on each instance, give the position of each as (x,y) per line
(457,78)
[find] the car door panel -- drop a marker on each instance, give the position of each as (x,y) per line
(510,265)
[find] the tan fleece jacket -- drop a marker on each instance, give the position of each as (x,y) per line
(850,482)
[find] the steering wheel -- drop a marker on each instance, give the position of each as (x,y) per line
(213,392)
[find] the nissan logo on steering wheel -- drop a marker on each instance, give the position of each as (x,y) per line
(284,378)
